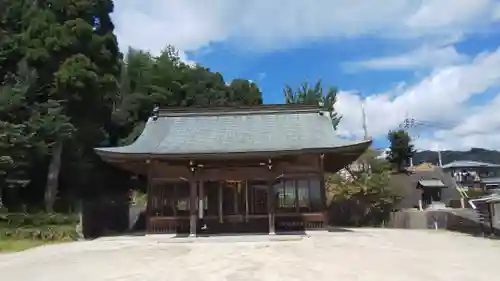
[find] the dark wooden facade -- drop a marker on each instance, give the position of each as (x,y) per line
(251,195)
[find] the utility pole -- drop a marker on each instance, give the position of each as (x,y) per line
(363,116)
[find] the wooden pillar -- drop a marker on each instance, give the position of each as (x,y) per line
(323,190)
(221,219)
(149,197)
(246,201)
(270,200)
(296,189)
(174,199)
(192,204)
(270,207)
(236,197)
(201,200)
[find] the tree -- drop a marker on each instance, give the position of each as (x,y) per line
(65,89)
(72,47)
(244,92)
(400,149)
(364,199)
(315,96)
(165,81)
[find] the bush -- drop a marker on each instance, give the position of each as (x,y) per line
(365,201)
(15,220)
(46,233)
(39,226)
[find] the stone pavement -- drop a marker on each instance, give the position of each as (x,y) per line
(361,254)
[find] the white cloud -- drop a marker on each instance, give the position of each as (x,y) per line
(423,57)
(193,24)
(436,14)
(496,12)
(442,98)
(481,129)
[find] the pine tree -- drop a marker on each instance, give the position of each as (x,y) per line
(315,96)
(71,45)
(400,149)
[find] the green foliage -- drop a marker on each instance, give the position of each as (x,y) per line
(400,149)
(315,96)
(63,81)
(44,233)
(365,198)
(15,220)
(164,80)
(40,226)
(367,201)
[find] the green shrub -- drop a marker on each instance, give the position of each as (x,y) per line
(366,200)
(39,226)
(39,219)
(46,233)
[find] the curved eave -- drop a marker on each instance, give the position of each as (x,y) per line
(337,159)
(349,152)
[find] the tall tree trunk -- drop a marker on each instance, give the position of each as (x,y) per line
(1,197)
(53,177)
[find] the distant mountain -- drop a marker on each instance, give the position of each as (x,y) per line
(475,154)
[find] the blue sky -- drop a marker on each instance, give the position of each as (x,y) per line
(436,61)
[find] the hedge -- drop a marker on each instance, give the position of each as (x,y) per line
(15,220)
(40,226)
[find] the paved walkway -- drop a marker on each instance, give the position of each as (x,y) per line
(367,254)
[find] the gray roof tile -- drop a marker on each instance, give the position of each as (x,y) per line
(235,132)
(469,164)
(431,183)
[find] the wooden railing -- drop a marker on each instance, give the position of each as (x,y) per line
(168,225)
(299,222)
(240,223)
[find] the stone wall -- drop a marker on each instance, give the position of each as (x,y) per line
(460,220)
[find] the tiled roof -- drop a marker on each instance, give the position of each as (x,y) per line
(236,130)
(469,164)
(492,180)
(431,183)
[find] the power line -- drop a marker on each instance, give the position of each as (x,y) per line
(411,123)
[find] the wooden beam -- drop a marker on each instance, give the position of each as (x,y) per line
(149,197)
(235,199)
(296,185)
(270,199)
(201,200)
(246,201)
(175,198)
(192,207)
(323,189)
(221,219)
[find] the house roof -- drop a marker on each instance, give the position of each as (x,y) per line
(491,198)
(469,164)
(431,183)
(235,130)
(492,180)
(426,173)
(423,167)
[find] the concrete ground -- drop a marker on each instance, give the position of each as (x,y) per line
(362,254)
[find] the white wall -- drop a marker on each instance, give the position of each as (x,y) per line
(496,214)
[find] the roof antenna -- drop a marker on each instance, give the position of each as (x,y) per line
(156,112)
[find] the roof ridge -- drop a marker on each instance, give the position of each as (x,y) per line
(240,110)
